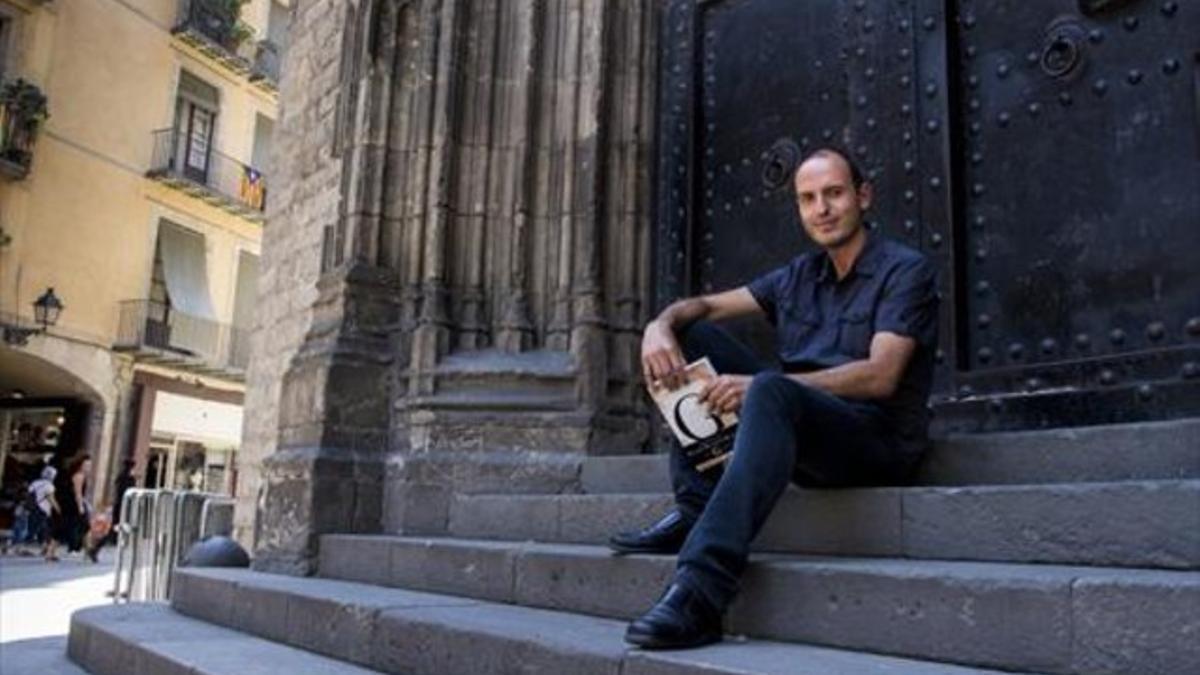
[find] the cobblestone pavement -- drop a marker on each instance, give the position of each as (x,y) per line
(36,602)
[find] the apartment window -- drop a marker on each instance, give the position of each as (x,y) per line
(196,109)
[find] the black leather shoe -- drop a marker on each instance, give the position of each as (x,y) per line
(664,536)
(681,619)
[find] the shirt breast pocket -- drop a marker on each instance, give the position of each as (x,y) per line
(854,334)
(798,327)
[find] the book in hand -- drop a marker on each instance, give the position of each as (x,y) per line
(706,437)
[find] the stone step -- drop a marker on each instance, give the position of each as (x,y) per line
(152,639)
(1142,451)
(1028,617)
(401,631)
(1132,523)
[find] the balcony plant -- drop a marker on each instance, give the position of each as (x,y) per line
(239,31)
(23,109)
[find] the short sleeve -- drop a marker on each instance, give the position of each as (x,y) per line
(909,305)
(767,288)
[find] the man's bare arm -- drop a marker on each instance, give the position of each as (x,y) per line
(714,307)
(875,377)
(662,357)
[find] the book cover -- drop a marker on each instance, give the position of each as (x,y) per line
(703,434)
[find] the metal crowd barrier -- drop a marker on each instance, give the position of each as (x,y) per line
(157,528)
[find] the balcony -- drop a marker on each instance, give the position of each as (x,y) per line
(22,111)
(156,333)
(265,72)
(215,29)
(189,164)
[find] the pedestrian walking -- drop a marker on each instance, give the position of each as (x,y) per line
(72,524)
(45,510)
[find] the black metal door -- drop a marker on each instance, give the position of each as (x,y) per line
(764,82)
(1080,187)
(1046,154)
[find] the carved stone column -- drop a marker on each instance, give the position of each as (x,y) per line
(328,474)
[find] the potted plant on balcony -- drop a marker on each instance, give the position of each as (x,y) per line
(239,30)
(23,108)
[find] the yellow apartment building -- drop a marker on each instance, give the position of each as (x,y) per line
(134,146)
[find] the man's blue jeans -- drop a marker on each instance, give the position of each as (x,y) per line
(786,432)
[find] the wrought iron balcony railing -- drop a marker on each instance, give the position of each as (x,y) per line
(161,334)
(189,163)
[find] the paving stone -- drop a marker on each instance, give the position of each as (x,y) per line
(582,580)
(151,639)
(835,522)
(487,639)
(1146,625)
(205,597)
(594,518)
(739,657)
(983,614)
(482,570)
(630,474)
(1141,451)
(503,517)
(435,635)
(1146,524)
(1132,523)
(261,610)
(331,617)
(351,556)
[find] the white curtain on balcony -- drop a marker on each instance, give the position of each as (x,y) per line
(193,322)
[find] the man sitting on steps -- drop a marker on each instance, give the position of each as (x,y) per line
(857,330)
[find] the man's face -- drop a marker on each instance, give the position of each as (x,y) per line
(830,207)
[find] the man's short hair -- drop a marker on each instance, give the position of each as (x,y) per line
(856,175)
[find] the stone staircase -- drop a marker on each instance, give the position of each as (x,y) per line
(1061,551)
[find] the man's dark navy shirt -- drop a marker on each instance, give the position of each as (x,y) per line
(822,322)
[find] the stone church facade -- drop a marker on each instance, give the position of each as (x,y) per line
(479,203)
(457,266)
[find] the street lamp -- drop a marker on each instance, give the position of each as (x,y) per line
(47,308)
(45,311)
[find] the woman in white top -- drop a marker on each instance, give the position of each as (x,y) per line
(43,490)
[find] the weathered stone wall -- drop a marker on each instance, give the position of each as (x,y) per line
(485,257)
(304,196)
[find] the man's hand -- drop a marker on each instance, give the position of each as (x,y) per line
(725,393)
(662,359)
